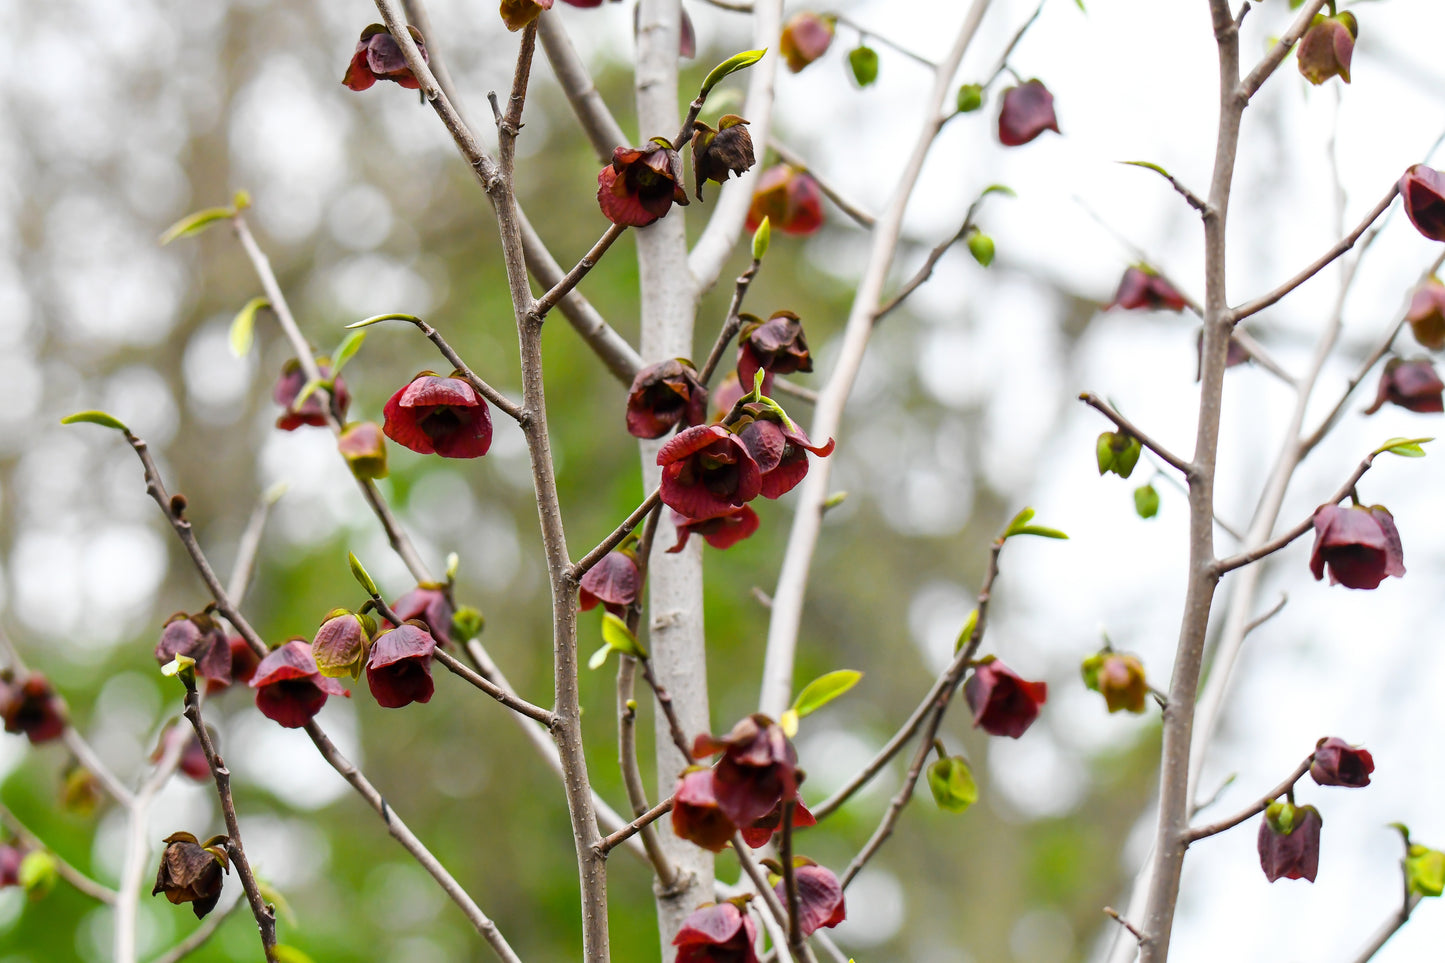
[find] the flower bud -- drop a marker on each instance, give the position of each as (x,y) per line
(442,416)
(1141,288)
(192,873)
(378,57)
(663,396)
(1422,189)
(340,645)
(80,792)
(428,604)
(716,154)
(1119,678)
(1325,49)
(1146,501)
(806,37)
(1289,841)
(1003,702)
(516,14)
(199,637)
(1413,385)
(1361,546)
(614,581)
(1118,452)
(312,411)
(32,707)
(863,63)
(1027,111)
(398,671)
(1337,763)
(951,781)
(363,445)
(820,897)
(289,688)
(970,98)
(1424,870)
(1427,315)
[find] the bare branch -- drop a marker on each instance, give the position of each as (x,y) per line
(138,853)
(1133,930)
(663,867)
(1389,928)
(558,291)
(793,159)
(504,696)
(507,406)
(1125,425)
(575,572)
(249,547)
(597,121)
(609,843)
(1277,53)
(865,34)
(732,324)
(78,880)
(1255,808)
(1195,201)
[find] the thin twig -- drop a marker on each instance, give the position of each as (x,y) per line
(1254,808)
(137,853)
(664,704)
(1260,620)
(611,842)
(790,881)
(1013,43)
(86,756)
(1195,201)
(199,935)
(575,572)
(864,34)
(1124,424)
(63,869)
(926,271)
(854,211)
(1389,928)
(249,547)
(732,324)
(572,278)
(1280,50)
(506,697)
(663,867)
(1133,930)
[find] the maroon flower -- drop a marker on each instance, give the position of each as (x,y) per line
(707,472)
(1337,763)
(243,663)
(399,669)
(1326,48)
(516,14)
(762,830)
(1289,841)
(1412,385)
(1360,545)
(717,933)
(191,873)
(613,581)
(790,199)
(289,688)
(780,450)
(1003,702)
(664,395)
(820,897)
(1427,314)
(31,706)
(312,411)
(378,57)
(339,647)
(1423,191)
(10,859)
(428,604)
(776,345)
(363,445)
(716,154)
(720,531)
(198,637)
(641,184)
(1119,678)
(442,416)
(1143,289)
(758,769)
(696,816)
(1027,111)
(806,37)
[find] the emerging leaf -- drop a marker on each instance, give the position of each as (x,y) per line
(1404,447)
(196,223)
(824,690)
(95,418)
(346,350)
(243,327)
(618,636)
(738,61)
(358,572)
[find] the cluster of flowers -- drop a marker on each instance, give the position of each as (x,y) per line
(1289,835)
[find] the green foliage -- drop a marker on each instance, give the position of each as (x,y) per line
(243,327)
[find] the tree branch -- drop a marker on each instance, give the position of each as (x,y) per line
(1255,808)
(663,867)
(558,291)
(854,211)
(574,573)
(138,852)
(732,324)
(1277,53)
(504,696)
(592,113)
(1125,425)
(78,880)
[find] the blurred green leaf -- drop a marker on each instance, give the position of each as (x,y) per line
(1404,447)
(824,690)
(738,61)
(346,350)
(1146,501)
(243,326)
(94,418)
(618,636)
(863,62)
(196,223)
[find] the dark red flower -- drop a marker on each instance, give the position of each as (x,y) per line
(1027,111)
(198,637)
(1423,191)
(243,664)
(1326,48)
(762,830)
(289,688)
(516,14)
(720,531)
(363,446)
(378,57)
(191,873)
(696,816)
(10,859)
(790,199)
(1289,841)
(707,472)
(339,647)
(1413,385)
(428,604)
(717,933)
(31,706)
(780,450)
(716,154)
(613,581)
(1337,763)
(820,897)
(1427,314)
(806,37)
(1143,289)
(641,184)
(442,416)
(758,769)
(776,345)
(312,411)
(1360,545)
(399,669)
(1003,702)
(664,395)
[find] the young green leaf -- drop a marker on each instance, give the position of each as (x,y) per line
(981,246)
(863,61)
(196,223)
(290,954)
(966,633)
(1042,532)
(1019,521)
(789,722)
(377,319)
(358,572)
(599,658)
(618,636)
(37,873)
(1404,447)
(1153,167)
(736,62)
(94,418)
(346,350)
(243,326)
(824,690)
(762,237)
(1424,870)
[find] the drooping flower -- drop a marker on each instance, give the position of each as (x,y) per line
(1427,314)
(192,873)
(201,638)
(363,445)
(716,154)
(1003,702)
(1027,111)
(820,897)
(1360,545)
(398,671)
(1423,191)
(789,198)
(312,411)
(696,815)
(641,184)
(10,859)
(243,660)
(1141,288)
(806,37)
(776,345)
(720,531)
(779,448)
(289,688)
(442,416)
(717,933)
(428,604)
(1337,763)
(764,828)
(516,14)
(31,707)
(378,57)
(1327,46)
(707,472)
(664,395)
(341,642)
(1289,841)
(1413,385)
(614,581)
(1119,678)
(758,769)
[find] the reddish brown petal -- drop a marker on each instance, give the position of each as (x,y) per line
(358,76)
(1027,111)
